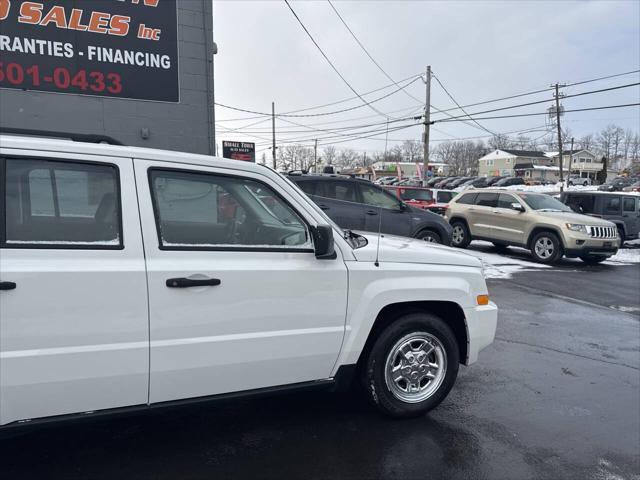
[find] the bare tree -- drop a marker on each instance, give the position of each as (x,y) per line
(523,142)
(346,158)
(330,153)
(587,142)
(411,151)
(499,142)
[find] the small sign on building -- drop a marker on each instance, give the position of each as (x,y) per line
(245,151)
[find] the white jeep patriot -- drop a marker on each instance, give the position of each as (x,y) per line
(133,277)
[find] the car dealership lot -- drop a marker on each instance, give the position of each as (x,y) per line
(556,396)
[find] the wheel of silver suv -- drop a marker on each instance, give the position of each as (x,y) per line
(545,247)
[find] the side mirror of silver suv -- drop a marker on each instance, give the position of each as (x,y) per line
(517,206)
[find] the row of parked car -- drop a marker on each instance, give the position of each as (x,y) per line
(588,225)
(450,183)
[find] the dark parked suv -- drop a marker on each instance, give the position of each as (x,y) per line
(358,204)
(621,208)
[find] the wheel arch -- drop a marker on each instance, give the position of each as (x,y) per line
(450,312)
(545,228)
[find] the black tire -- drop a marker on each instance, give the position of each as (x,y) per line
(501,247)
(584,184)
(463,235)
(381,394)
(593,259)
(621,234)
(429,236)
(554,247)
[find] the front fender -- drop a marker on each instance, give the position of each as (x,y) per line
(371,289)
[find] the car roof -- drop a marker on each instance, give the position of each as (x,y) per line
(326,176)
(25,143)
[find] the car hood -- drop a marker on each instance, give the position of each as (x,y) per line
(409,250)
(571,217)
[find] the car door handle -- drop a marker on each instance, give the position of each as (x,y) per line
(7,285)
(323,206)
(371,212)
(498,212)
(190,282)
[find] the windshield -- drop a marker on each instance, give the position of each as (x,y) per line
(407,194)
(541,202)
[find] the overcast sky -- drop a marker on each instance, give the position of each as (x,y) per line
(479,50)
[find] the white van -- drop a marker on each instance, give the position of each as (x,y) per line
(133,277)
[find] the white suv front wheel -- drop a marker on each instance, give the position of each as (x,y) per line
(412,366)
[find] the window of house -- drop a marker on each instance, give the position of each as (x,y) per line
(62,204)
(208,211)
(490,163)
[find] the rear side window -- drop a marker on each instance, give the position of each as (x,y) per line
(345,191)
(208,211)
(307,186)
(444,197)
(415,194)
(629,204)
(612,205)
(59,204)
(467,199)
(581,203)
(487,199)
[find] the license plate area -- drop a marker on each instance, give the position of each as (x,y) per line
(608,244)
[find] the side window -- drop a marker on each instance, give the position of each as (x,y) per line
(444,197)
(345,191)
(505,200)
(487,199)
(612,205)
(629,204)
(308,187)
(61,204)
(467,199)
(213,211)
(378,198)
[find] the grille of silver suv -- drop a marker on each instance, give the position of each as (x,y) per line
(603,232)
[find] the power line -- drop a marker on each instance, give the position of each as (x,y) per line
(367,52)
(603,78)
(329,61)
(458,105)
(264,114)
(540,101)
(543,113)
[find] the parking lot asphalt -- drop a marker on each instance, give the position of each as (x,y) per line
(556,396)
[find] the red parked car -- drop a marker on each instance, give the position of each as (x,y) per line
(415,196)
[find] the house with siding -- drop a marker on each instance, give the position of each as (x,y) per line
(578,162)
(509,162)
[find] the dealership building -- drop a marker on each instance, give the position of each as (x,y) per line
(138,71)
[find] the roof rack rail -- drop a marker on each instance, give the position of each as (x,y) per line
(297,172)
(76,137)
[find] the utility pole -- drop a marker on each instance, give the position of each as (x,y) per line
(557,95)
(427,123)
(571,159)
(273,133)
(315,156)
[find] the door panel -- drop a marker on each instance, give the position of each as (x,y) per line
(383,211)
(276,317)
(481,216)
(74,331)
(508,224)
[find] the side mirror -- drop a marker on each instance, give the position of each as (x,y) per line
(402,206)
(323,242)
(518,207)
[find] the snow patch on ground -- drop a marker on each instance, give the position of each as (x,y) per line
(504,266)
(501,266)
(624,256)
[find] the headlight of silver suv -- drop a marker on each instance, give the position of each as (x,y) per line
(576,227)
